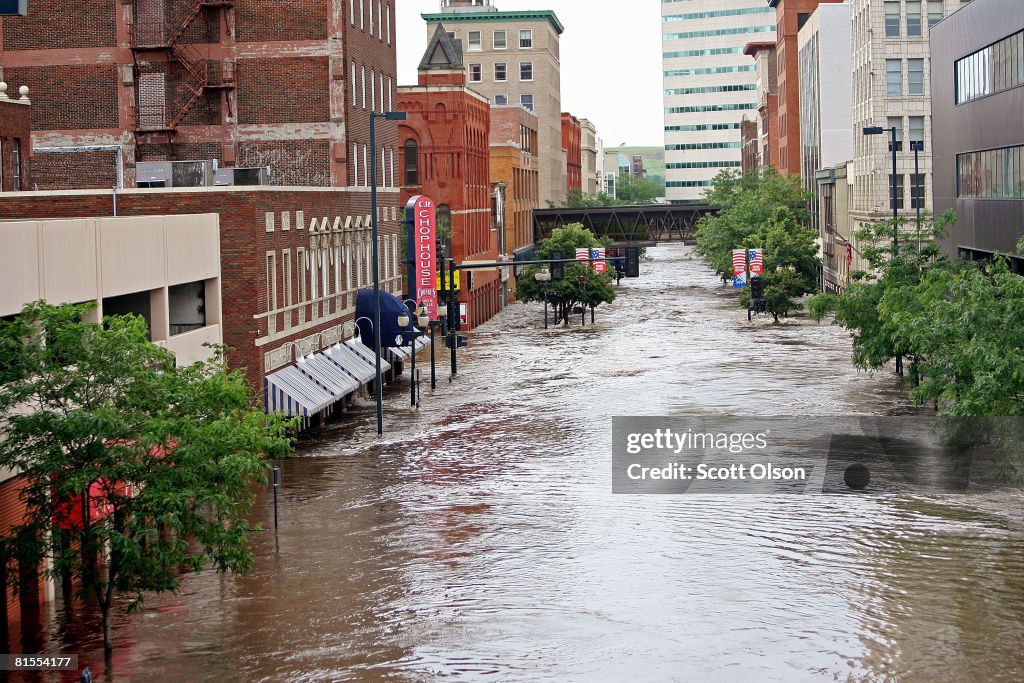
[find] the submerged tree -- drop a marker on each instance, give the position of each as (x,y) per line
(133,468)
(566,293)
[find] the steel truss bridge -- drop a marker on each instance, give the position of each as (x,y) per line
(641,223)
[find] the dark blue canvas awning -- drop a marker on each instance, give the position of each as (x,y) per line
(390,308)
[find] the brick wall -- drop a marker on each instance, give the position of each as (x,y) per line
(244,242)
(283,90)
(260,21)
(69,97)
(292,162)
(62,24)
(74,170)
(15,123)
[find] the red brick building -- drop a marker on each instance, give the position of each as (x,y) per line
(790,16)
(445,156)
(571,145)
(766,65)
(15,139)
(284,84)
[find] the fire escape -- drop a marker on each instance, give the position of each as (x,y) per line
(161,108)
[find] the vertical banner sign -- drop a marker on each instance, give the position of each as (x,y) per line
(421,222)
(739,268)
(739,261)
(597,254)
(756,261)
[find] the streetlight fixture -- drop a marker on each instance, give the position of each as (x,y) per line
(878,130)
(387,116)
(421,321)
(543,276)
(917,194)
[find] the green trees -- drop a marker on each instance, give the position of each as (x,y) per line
(566,293)
(762,209)
(961,325)
(161,459)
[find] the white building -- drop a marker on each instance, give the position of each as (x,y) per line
(891,74)
(826,133)
(709,84)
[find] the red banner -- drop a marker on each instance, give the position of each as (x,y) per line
(424,240)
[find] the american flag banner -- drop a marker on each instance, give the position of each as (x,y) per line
(756,261)
(739,261)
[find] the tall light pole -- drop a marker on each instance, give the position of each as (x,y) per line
(878,130)
(918,191)
(387,116)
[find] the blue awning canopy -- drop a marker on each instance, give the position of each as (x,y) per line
(390,308)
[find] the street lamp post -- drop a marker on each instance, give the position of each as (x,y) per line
(917,194)
(543,277)
(387,116)
(878,130)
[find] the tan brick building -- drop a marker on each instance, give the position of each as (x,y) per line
(513,58)
(514,162)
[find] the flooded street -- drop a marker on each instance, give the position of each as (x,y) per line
(479,538)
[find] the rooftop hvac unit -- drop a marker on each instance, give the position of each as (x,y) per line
(175,173)
(258,175)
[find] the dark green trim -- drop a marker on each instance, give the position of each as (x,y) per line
(487,17)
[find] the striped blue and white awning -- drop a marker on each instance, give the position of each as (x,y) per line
(293,392)
(366,353)
(405,352)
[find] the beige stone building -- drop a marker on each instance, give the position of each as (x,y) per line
(891,67)
(591,172)
(513,58)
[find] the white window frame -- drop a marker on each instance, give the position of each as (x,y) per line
(521,104)
(355,164)
(373,89)
(362,70)
(479,72)
(366,166)
(352,11)
(389,23)
(504,66)
(355,91)
(362,16)
(525,80)
(494,43)
(503,96)
(479,41)
(529,38)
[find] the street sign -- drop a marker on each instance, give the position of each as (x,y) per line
(421,223)
(595,254)
(443,286)
(739,280)
(12,7)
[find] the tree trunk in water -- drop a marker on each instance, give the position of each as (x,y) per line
(108,643)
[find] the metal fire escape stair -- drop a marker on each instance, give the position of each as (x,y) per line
(195,68)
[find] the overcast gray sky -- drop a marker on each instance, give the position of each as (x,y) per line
(611,61)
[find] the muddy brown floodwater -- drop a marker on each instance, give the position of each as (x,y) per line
(479,538)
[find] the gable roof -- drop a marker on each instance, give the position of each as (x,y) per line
(442,51)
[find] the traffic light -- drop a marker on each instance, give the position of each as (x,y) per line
(632,262)
(756,288)
(583,281)
(557,269)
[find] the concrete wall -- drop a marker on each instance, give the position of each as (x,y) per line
(90,259)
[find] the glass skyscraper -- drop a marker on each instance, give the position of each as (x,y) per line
(709,84)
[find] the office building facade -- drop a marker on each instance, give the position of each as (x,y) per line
(513,58)
(709,84)
(977,103)
(891,89)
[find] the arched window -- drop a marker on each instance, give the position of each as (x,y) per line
(410,152)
